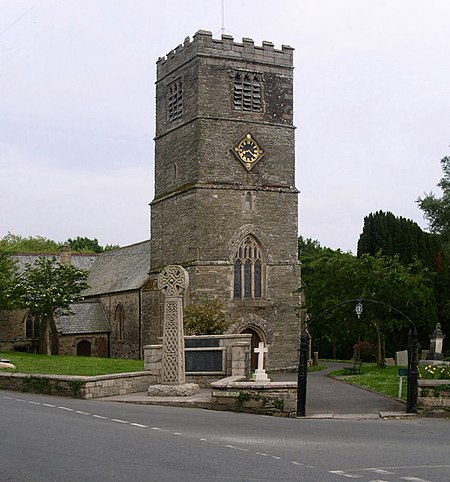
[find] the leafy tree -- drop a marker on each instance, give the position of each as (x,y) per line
(437,210)
(17,244)
(47,289)
(332,277)
(397,236)
(31,244)
(8,271)
(86,245)
(205,316)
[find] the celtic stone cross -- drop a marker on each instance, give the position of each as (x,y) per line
(172,281)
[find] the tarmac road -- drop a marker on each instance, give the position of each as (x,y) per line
(47,438)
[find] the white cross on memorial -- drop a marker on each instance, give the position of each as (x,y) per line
(260,373)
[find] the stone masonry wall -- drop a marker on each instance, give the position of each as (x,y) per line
(77,386)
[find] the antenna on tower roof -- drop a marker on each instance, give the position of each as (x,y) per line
(223,17)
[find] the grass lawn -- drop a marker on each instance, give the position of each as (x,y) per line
(382,380)
(70,365)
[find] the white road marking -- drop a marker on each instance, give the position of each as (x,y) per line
(156,428)
(414,479)
(118,420)
(8,398)
(380,471)
(100,416)
(67,409)
(49,405)
(82,413)
(33,403)
(344,474)
(139,425)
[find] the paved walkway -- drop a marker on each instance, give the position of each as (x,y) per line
(326,398)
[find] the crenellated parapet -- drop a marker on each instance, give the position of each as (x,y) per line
(203,44)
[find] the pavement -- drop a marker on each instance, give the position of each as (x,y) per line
(326,398)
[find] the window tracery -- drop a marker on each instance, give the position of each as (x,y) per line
(248,267)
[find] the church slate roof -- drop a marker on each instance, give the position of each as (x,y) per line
(122,269)
(79,260)
(88,317)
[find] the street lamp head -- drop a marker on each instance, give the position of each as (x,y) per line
(359,309)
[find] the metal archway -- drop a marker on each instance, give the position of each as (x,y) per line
(411,401)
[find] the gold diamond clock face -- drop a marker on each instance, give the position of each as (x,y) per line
(248,151)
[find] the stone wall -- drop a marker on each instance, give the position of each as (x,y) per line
(77,386)
(434,397)
(277,398)
(129,346)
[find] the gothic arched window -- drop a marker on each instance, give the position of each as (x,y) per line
(120,322)
(248,265)
(32,326)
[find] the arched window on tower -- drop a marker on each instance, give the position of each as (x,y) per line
(248,267)
(120,322)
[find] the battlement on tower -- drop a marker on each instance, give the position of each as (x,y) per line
(203,44)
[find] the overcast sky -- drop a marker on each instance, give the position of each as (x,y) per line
(372,108)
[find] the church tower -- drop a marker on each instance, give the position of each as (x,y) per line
(225,205)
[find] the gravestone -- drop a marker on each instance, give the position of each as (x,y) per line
(260,373)
(401,358)
(172,281)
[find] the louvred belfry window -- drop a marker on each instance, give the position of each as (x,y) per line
(248,270)
(175,100)
(247,92)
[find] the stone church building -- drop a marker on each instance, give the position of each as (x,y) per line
(225,206)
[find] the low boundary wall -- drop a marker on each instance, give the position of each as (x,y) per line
(434,397)
(77,386)
(273,398)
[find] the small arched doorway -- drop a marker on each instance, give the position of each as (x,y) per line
(256,338)
(84,348)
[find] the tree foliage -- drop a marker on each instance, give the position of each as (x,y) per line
(205,316)
(437,210)
(332,277)
(17,244)
(398,236)
(31,244)
(8,272)
(87,245)
(47,288)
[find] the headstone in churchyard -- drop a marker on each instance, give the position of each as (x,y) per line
(172,281)
(401,358)
(260,373)
(436,344)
